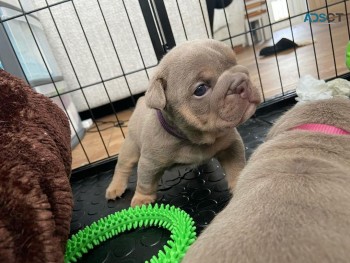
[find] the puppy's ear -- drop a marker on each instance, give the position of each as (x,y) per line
(155,94)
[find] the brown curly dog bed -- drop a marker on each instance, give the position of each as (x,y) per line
(35,164)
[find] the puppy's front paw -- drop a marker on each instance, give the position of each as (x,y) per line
(232,186)
(113,191)
(141,199)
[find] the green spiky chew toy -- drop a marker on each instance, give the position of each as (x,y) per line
(177,221)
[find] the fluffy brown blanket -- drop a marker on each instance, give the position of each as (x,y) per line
(35,165)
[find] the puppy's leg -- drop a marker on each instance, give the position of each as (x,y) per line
(128,156)
(232,161)
(148,175)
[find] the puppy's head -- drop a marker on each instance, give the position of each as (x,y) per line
(201,88)
(335,112)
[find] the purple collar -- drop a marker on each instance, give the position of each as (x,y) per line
(170,129)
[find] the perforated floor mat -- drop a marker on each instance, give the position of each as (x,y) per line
(202,192)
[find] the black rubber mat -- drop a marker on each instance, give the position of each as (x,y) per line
(202,192)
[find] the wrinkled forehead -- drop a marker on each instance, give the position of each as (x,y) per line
(197,60)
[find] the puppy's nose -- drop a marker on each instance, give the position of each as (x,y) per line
(242,90)
(239,87)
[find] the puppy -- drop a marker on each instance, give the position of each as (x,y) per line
(195,100)
(291,203)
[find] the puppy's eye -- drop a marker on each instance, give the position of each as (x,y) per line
(201,90)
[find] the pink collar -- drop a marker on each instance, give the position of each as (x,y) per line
(324,128)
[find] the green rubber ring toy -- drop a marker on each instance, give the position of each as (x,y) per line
(177,221)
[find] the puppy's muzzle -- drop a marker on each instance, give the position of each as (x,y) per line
(234,96)
(240,86)
(236,83)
